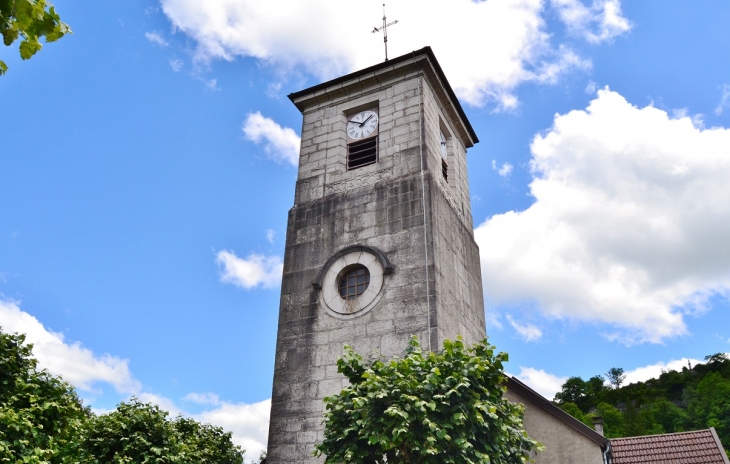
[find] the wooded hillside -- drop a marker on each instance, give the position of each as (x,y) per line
(698,397)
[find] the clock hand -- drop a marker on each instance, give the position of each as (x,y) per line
(366,120)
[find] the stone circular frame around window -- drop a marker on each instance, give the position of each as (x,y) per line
(348,259)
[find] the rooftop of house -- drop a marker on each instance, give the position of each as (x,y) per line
(696,447)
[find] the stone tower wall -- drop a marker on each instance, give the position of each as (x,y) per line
(400,205)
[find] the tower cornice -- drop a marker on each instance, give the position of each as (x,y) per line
(423,59)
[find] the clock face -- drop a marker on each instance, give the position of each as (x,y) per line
(362,124)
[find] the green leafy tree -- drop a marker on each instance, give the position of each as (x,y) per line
(29,20)
(596,387)
(616,376)
(42,421)
(574,410)
(137,432)
(585,395)
(40,414)
(206,443)
(709,405)
(614,424)
(663,416)
(445,407)
(716,358)
(694,398)
(574,390)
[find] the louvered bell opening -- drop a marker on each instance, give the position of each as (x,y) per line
(362,153)
(445,169)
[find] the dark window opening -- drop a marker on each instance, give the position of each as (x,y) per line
(445,169)
(362,153)
(354,282)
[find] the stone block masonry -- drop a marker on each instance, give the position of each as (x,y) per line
(402,208)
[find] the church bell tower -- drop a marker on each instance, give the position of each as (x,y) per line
(379,243)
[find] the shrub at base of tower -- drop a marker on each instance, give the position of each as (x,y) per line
(427,407)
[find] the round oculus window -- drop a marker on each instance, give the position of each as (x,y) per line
(353,282)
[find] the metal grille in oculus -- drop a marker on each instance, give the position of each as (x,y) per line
(354,282)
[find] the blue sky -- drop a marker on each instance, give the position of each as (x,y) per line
(147,167)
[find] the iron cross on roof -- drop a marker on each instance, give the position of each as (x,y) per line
(384,28)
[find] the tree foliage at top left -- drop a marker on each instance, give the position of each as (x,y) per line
(29,20)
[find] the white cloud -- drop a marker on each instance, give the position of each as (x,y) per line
(505,170)
(724,100)
(548,384)
(250,272)
(270,234)
(249,424)
(629,226)
(281,143)
(529,332)
(679,113)
(591,88)
(653,371)
(203,398)
(273,89)
(176,65)
(698,120)
(72,361)
(212,85)
(163,402)
(156,38)
(597,23)
(542,382)
(507,41)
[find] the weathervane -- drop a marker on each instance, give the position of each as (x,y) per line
(384,28)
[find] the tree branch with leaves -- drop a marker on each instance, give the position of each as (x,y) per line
(29,20)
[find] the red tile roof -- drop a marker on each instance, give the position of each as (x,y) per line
(698,447)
